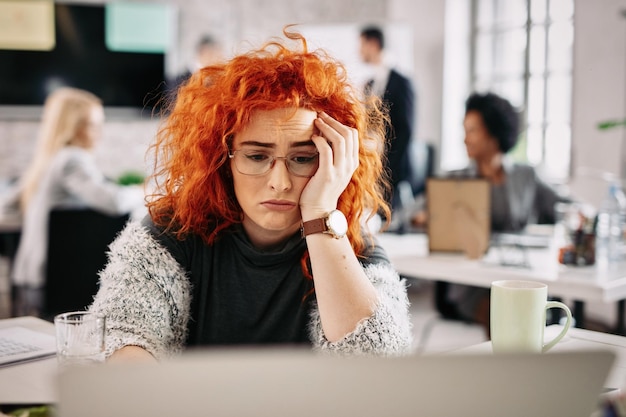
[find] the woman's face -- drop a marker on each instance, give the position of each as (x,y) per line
(270,201)
(478,142)
(89,130)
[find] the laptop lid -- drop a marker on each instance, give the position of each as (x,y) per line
(285,382)
(458,208)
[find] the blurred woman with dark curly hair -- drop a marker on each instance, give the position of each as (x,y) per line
(266,169)
(518,195)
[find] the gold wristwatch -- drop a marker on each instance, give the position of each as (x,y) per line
(334,224)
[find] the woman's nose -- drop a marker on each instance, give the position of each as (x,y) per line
(279,176)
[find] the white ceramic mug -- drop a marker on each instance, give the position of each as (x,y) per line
(518,316)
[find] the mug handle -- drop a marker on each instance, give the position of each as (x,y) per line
(556,304)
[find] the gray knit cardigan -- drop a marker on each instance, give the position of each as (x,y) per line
(145,295)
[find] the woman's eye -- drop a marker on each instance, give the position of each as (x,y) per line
(257,157)
(304,159)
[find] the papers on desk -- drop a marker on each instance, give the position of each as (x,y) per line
(520,240)
(19,344)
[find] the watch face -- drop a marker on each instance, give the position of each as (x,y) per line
(337,223)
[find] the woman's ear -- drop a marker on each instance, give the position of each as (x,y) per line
(228,169)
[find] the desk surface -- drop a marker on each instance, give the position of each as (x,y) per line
(409,254)
(35,382)
(576,340)
(32,382)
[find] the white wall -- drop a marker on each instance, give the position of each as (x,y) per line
(599,93)
(426,17)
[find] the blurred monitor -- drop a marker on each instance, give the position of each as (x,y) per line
(80,57)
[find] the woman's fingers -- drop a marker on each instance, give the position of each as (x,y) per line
(343,140)
(338,147)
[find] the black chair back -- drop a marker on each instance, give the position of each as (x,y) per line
(77,244)
(422,156)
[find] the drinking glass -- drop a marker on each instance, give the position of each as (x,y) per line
(80,338)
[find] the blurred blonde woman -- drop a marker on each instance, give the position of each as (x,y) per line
(62,174)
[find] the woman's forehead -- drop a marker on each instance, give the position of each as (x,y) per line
(283,116)
(279,125)
(474,118)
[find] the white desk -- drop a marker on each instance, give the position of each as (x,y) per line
(35,382)
(576,340)
(32,382)
(410,256)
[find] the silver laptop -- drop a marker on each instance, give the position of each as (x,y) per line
(284,382)
(19,344)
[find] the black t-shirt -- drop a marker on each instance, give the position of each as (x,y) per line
(243,295)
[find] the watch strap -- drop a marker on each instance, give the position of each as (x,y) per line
(314,226)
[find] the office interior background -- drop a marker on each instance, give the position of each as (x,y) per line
(562,62)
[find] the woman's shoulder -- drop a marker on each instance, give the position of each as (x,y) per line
(519,170)
(158,232)
(74,152)
(71,155)
(182,248)
(141,239)
(149,225)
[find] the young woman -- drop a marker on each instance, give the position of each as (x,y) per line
(62,174)
(518,195)
(266,169)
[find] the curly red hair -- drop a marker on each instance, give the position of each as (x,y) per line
(194,188)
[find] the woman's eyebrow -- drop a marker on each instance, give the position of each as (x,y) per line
(299,144)
(257,143)
(302,144)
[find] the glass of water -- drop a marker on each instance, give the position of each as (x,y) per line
(80,338)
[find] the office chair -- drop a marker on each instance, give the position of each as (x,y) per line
(77,244)
(422,165)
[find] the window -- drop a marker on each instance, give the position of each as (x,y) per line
(522,50)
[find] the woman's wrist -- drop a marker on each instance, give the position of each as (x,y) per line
(312,213)
(131,353)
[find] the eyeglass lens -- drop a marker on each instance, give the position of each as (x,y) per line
(303,164)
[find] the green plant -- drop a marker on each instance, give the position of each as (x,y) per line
(131,178)
(38,411)
(609,124)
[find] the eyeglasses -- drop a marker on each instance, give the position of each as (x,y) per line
(254,162)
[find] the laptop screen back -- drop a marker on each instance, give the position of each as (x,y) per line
(284,382)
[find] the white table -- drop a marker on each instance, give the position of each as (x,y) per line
(576,340)
(32,382)
(35,382)
(410,255)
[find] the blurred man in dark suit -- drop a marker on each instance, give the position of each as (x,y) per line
(396,92)
(207,52)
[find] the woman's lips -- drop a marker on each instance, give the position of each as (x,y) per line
(278,205)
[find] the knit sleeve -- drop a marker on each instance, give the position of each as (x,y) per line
(387,332)
(144,294)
